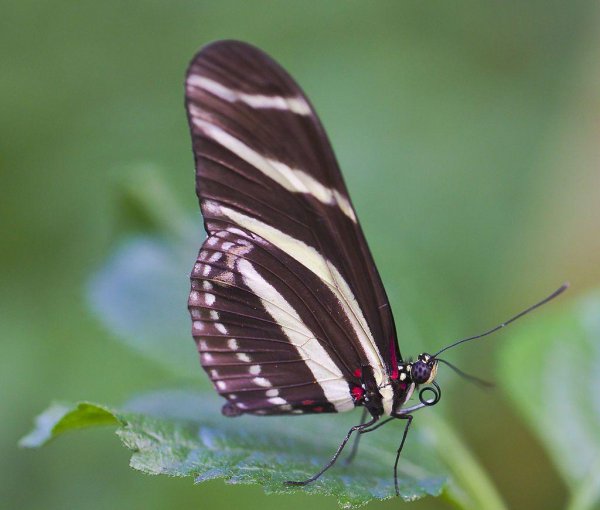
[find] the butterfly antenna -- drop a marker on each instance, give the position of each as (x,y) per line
(472,378)
(556,293)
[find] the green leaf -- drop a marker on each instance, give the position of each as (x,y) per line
(59,418)
(141,296)
(551,370)
(180,433)
(183,434)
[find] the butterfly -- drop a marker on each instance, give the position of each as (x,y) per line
(288,310)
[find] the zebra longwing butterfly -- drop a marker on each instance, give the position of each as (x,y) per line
(289,312)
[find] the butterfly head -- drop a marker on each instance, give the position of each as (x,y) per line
(418,373)
(424,370)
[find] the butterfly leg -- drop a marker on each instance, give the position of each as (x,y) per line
(356,428)
(350,457)
(408,418)
(364,431)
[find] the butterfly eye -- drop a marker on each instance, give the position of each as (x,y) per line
(421,372)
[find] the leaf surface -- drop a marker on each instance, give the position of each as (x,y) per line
(180,433)
(551,371)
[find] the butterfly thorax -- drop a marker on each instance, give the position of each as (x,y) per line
(368,393)
(389,398)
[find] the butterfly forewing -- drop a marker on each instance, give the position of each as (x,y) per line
(286,300)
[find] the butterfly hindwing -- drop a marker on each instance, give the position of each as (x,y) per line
(283,230)
(262,346)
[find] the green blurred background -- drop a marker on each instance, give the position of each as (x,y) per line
(468,134)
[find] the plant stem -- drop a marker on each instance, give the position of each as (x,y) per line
(146,187)
(587,494)
(471,487)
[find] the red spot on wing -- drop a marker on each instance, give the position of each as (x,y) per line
(307,402)
(358,373)
(318,409)
(357,392)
